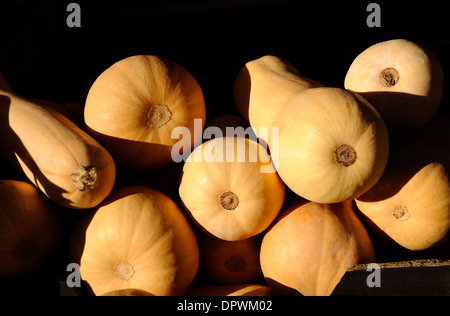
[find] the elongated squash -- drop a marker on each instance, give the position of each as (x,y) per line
(263,87)
(331,146)
(334,146)
(68,165)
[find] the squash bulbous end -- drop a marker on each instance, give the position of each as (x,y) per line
(85,178)
(389,77)
(345,155)
(229,201)
(401,213)
(124,270)
(158,115)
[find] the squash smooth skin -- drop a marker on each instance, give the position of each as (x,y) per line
(410,205)
(263,87)
(231,199)
(333,147)
(138,238)
(134,105)
(332,144)
(67,164)
(310,247)
(402,80)
(31,228)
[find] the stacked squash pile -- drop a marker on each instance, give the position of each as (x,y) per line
(368,161)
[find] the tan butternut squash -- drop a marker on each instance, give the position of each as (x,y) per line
(134,105)
(262,89)
(136,239)
(310,247)
(70,110)
(67,164)
(402,80)
(230,189)
(410,205)
(333,145)
(330,145)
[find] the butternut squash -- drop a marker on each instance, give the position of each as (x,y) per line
(402,80)
(230,189)
(331,146)
(310,247)
(68,165)
(136,239)
(134,105)
(262,89)
(70,110)
(410,205)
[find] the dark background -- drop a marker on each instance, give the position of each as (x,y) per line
(40,56)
